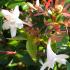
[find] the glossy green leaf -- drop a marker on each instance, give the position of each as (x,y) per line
(68,66)
(31,48)
(12,4)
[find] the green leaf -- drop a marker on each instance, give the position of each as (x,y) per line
(3,2)
(67,1)
(59,18)
(13,42)
(68,66)
(24,57)
(31,48)
(25,7)
(55,67)
(11,4)
(54,46)
(68,43)
(65,39)
(12,65)
(39,20)
(1,22)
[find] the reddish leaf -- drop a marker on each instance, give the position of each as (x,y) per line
(53,18)
(56,2)
(47,4)
(57,28)
(67,23)
(62,2)
(66,7)
(66,14)
(58,37)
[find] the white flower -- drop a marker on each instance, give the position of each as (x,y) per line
(37,3)
(12,21)
(52,58)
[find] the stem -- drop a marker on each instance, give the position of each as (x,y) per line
(7,52)
(67,30)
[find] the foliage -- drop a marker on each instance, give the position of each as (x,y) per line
(48,20)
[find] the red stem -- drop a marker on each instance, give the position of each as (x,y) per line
(7,52)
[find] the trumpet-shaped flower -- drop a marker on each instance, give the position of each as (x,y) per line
(12,21)
(52,58)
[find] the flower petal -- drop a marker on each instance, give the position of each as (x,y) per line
(44,66)
(49,64)
(37,2)
(62,56)
(6,14)
(19,23)
(5,25)
(13,31)
(16,11)
(50,54)
(61,61)
(41,61)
